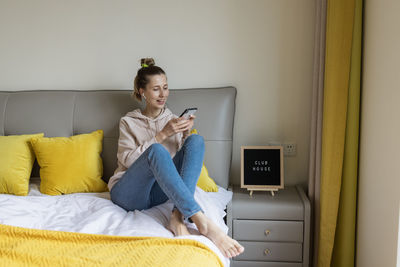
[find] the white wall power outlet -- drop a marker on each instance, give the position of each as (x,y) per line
(289,149)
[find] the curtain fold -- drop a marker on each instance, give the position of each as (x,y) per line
(340,16)
(345,237)
(340,130)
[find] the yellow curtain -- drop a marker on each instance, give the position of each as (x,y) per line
(344,246)
(340,133)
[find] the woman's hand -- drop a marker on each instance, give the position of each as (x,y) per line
(175,126)
(191,123)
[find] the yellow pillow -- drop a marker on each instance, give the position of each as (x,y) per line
(205,182)
(70,164)
(16,161)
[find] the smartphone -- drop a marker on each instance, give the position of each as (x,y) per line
(189,111)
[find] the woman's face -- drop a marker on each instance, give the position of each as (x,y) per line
(156,92)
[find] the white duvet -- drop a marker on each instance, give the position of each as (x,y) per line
(94,213)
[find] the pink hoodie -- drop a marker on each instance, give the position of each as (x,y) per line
(136,133)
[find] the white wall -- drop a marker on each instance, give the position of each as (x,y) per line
(379,185)
(262,47)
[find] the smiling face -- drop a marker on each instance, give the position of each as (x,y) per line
(156,92)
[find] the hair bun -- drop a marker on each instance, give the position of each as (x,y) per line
(148,61)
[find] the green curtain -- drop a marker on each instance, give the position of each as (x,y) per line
(340,133)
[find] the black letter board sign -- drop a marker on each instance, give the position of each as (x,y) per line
(262,167)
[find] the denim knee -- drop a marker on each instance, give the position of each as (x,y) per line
(196,140)
(157,149)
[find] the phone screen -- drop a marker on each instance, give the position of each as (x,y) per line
(188,112)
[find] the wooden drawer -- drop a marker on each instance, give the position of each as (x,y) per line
(264,264)
(271,251)
(260,230)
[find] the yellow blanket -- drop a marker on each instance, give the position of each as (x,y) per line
(31,247)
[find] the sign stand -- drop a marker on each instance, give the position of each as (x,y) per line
(272,191)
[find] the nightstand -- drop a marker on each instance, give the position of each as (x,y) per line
(275,230)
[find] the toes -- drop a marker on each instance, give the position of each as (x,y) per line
(228,254)
(232,251)
(239,248)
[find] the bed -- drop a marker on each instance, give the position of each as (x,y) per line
(87,228)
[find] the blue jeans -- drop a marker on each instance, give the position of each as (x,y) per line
(155,177)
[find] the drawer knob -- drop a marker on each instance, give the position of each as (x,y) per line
(267,232)
(267,251)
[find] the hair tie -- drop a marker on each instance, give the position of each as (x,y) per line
(144,65)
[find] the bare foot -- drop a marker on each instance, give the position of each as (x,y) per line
(228,246)
(176,224)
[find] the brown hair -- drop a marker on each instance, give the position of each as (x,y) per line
(148,68)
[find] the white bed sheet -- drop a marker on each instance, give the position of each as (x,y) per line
(94,213)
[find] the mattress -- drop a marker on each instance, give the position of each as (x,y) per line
(94,213)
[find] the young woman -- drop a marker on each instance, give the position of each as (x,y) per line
(158,160)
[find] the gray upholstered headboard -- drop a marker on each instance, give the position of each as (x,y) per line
(66,113)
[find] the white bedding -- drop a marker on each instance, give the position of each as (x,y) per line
(95,213)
